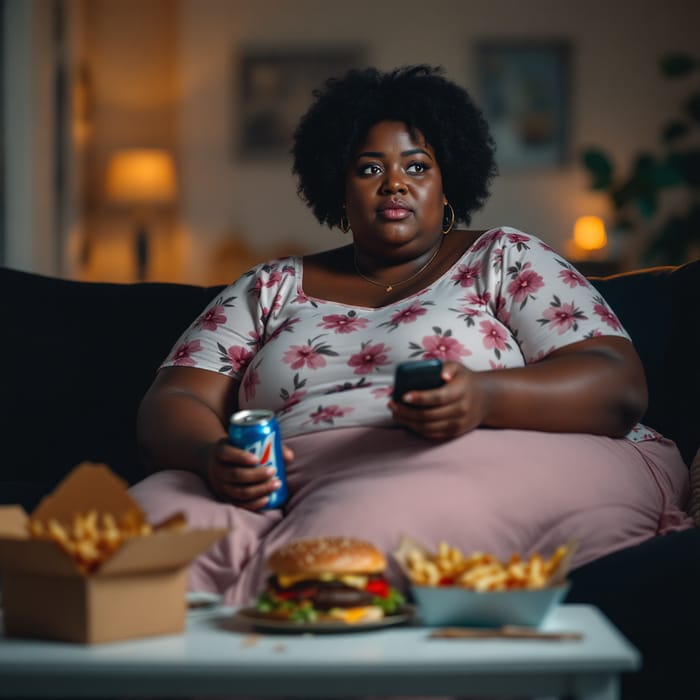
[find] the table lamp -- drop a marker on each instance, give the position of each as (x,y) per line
(589,233)
(589,239)
(143,180)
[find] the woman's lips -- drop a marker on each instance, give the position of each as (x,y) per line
(394,213)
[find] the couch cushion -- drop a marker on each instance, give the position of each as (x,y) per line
(650,592)
(77,358)
(660,308)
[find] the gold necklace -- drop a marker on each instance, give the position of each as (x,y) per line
(390,287)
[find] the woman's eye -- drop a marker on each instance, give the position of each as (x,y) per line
(369,169)
(417,168)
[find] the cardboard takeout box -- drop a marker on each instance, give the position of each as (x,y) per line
(138,591)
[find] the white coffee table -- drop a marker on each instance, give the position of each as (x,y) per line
(216,657)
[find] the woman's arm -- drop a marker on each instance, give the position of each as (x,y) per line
(592,386)
(182,424)
(182,414)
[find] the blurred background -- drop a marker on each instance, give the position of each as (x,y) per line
(148,139)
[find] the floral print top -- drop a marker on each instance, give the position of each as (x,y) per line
(509,301)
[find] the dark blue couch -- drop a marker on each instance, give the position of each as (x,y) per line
(77,357)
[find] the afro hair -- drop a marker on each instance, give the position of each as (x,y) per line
(345,109)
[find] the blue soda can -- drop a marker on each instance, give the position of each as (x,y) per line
(257,431)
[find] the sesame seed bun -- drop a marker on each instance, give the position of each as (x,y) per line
(334,555)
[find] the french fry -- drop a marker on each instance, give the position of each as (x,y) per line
(481,571)
(92,537)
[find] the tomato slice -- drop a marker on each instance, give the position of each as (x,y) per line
(379,588)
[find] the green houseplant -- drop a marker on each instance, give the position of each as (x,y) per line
(636,194)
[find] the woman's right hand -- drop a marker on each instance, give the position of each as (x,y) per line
(236,477)
(182,425)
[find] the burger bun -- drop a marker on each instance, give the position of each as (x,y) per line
(327,555)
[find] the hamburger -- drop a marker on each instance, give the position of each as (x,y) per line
(328,578)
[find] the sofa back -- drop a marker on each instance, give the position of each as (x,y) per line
(660,308)
(77,357)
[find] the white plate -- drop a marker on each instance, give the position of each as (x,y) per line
(259,620)
(201,601)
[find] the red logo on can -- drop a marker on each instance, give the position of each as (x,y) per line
(264,451)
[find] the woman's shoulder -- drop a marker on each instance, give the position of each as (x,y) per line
(501,238)
(272,269)
(504,235)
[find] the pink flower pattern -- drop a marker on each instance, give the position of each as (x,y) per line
(285,327)
(526,283)
(495,337)
(485,240)
(310,355)
(467,274)
(572,278)
(235,359)
(328,414)
(497,259)
(212,318)
(407,314)
(519,240)
(508,301)
(482,299)
(468,314)
(344,323)
(183,353)
(442,346)
(291,401)
(606,315)
(370,357)
(561,316)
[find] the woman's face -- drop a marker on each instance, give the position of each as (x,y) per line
(393,192)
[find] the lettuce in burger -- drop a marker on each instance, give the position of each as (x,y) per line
(328,578)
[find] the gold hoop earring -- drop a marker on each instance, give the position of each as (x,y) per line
(344,222)
(448,219)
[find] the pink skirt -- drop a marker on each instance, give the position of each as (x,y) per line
(498,491)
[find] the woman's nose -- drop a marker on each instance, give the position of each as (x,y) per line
(393,182)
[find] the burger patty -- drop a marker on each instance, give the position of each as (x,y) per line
(340,597)
(324,594)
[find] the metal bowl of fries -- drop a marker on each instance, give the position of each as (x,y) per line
(479,590)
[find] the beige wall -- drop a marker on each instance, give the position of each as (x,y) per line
(132,50)
(618,99)
(163,73)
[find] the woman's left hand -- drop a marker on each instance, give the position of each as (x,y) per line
(451,410)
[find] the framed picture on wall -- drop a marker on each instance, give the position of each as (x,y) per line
(525,91)
(275,88)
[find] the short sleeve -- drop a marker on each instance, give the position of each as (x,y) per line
(542,298)
(231,329)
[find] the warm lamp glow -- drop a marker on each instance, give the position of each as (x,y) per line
(141,176)
(141,179)
(589,233)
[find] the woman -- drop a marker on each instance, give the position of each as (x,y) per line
(533,439)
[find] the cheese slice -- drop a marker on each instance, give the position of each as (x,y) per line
(354,615)
(354,580)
